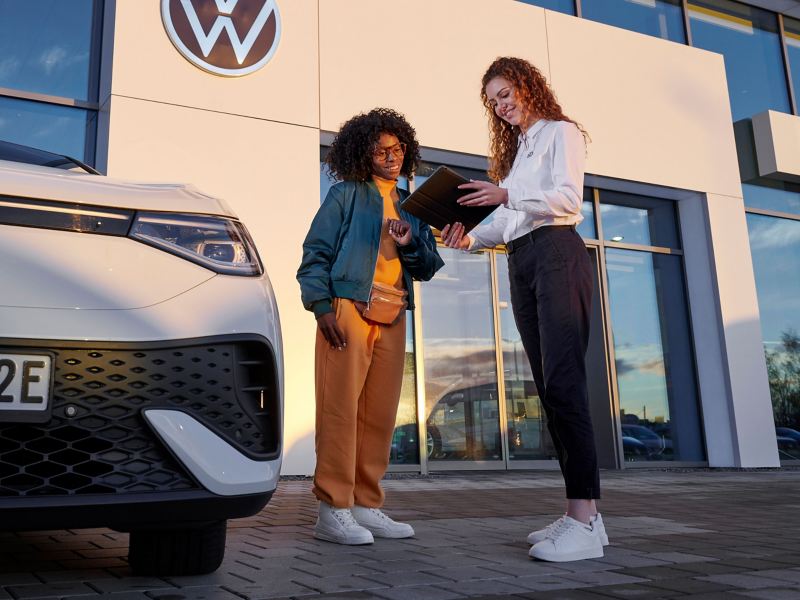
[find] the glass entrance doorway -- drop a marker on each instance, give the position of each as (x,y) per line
(475,419)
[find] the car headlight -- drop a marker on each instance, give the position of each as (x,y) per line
(220,244)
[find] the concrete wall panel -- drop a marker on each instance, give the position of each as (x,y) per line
(425,60)
(657,111)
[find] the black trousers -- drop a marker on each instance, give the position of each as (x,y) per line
(551,295)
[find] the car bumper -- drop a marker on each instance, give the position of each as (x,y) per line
(107,440)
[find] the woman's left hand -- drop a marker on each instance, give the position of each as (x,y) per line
(400,231)
(485,194)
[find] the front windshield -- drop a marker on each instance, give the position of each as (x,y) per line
(34,156)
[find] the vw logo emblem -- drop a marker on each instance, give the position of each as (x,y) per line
(224,37)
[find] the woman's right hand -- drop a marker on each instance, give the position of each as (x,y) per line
(453,236)
(330,329)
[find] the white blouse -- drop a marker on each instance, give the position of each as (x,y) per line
(545,184)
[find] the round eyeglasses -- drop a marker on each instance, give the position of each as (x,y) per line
(397,151)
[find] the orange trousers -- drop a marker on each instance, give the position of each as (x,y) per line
(358,390)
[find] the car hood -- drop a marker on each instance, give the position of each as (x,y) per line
(32,181)
(50,269)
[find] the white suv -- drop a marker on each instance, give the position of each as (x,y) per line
(141,368)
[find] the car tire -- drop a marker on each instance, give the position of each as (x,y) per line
(433,443)
(190,551)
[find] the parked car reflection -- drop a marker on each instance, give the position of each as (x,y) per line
(657,444)
(788,443)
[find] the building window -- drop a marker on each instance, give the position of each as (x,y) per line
(564,6)
(49,81)
(461,388)
(636,241)
(60,129)
(773,222)
(658,405)
(653,356)
(791,39)
(659,18)
(748,39)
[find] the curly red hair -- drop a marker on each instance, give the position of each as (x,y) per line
(535,93)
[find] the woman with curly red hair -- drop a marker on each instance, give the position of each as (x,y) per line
(359,259)
(537,158)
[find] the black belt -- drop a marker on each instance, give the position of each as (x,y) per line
(531,236)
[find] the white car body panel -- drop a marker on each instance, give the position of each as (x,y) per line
(31,181)
(63,286)
(61,269)
(217,465)
(224,304)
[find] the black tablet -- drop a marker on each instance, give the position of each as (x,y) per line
(435,201)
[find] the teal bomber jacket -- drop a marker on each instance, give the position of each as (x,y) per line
(341,249)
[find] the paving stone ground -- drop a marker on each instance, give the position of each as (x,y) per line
(699,534)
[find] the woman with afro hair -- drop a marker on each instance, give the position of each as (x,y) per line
(360,256)
(537,159)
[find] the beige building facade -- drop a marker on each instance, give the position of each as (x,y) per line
(660,122)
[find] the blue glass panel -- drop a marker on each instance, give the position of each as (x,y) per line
(528,436)
(587,229)
(564,6)
(653,353)
(659,18)
(775,246)
(59,129)
(632,219)
(405,440)
(748,38)
(773,195)
(462,410)
(792,38)
(45,47)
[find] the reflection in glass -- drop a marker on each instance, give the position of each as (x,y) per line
(564,6)
(405,444)
(748,39)
(775,246)
(462,411)
(654,360)
(60,129)
(587,229)
(633,219)
(528,437)
(659,18)
(779,196)
(791,28)
(54,61)
(326,182)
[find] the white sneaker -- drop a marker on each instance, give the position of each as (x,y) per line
(569,540)
(338,525)
(541,534)
(380,524)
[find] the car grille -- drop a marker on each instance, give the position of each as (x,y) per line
(97,441)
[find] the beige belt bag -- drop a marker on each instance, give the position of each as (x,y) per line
(385,303)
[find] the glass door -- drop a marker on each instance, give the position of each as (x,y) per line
(462,407)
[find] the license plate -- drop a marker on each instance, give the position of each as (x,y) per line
(26,384)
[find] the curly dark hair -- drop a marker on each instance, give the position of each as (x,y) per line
(350,156)
(532,89)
